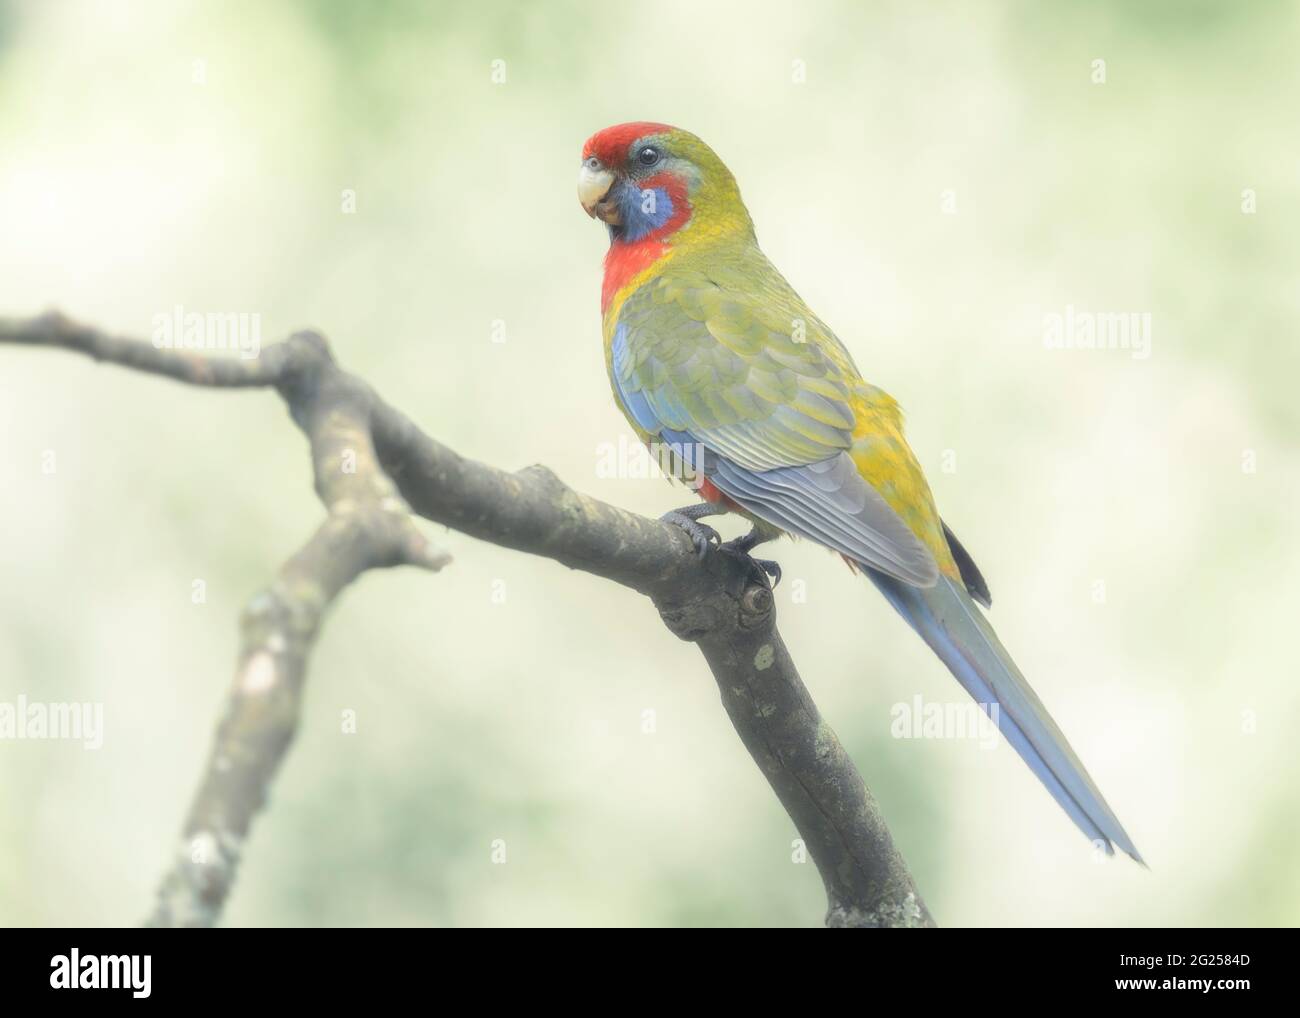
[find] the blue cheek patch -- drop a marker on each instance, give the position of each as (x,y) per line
(644,211)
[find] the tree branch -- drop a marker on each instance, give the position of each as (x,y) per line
(373,468)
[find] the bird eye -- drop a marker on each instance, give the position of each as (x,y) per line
(648,156)
(592,163)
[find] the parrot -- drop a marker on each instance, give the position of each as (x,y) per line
(713,356)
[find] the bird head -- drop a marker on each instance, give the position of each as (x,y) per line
(649,182)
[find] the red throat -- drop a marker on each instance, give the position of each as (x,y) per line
(623,263)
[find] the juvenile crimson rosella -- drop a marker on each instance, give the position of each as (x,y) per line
(713,356)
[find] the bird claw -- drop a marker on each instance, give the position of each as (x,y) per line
(702,535)
(744,545)
(740,545)
(705,537)
(771,568)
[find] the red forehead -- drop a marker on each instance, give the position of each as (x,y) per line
(610,145)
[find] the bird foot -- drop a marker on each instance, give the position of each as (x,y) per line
(705,537)
(744,545)
(769,568)
(702,535)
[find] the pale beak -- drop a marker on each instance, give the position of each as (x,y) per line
(593,192)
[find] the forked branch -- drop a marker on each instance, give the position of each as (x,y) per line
(374,469)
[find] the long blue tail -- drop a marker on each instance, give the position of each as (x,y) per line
(953,625)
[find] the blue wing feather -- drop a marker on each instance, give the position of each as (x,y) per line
(826,501)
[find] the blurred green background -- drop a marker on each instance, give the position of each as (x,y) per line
(195,153)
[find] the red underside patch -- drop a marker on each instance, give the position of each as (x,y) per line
(708,491)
